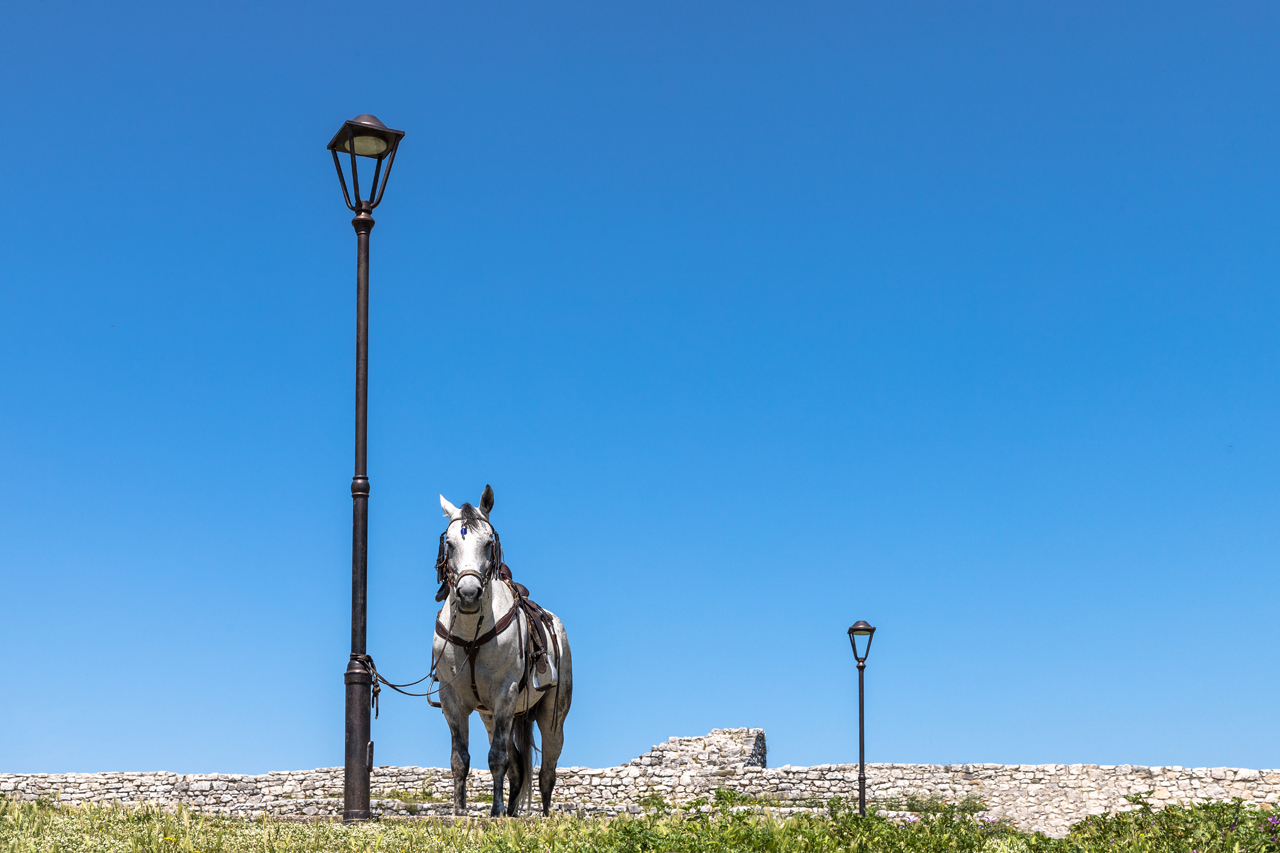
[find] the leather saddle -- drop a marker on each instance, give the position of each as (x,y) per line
(541,626)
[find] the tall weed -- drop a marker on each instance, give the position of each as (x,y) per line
(728,823)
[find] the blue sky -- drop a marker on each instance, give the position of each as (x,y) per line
(760,318)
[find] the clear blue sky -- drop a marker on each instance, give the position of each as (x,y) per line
(760,318)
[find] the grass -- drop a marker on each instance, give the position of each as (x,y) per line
(932,803)
(725,826)
(420,796)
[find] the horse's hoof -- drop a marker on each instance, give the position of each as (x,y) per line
(497,811)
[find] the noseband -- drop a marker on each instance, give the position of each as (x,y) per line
(448,578)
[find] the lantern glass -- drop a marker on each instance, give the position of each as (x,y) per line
(367,146)
(861,632)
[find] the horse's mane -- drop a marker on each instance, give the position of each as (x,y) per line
(469,513)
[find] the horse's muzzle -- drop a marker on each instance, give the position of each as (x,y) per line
(469,589)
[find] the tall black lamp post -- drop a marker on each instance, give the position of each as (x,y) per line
(363,136)
(861,631)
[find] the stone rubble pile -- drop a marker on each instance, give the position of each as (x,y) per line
(1045,797)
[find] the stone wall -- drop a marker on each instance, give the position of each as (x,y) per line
(1043,797)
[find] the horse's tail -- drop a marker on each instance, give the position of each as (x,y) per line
(522,756)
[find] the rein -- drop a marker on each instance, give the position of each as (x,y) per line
(378,681)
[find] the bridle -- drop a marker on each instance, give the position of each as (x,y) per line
(448,578)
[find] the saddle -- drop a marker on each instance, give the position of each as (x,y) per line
(540,628)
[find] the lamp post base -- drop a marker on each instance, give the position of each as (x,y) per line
(359,749)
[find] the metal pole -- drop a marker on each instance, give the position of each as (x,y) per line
(862,749)
(359,748)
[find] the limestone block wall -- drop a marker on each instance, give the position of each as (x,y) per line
(1045,797)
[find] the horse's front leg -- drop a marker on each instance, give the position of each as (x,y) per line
(460,761)
(499,754)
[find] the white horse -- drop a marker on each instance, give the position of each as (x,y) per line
(488,660)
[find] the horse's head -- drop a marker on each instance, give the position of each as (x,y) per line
(470,549)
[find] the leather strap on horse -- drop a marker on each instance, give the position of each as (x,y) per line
(540,624)
(472,647)
(442,568)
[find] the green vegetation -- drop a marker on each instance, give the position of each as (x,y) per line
(720,826)
(422,795)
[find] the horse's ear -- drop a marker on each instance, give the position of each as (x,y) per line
(486,500)
(450,511)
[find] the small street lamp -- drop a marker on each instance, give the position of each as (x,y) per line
(857,631)
(363,136)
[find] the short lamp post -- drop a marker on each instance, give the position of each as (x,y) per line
(363,136)
(860,631)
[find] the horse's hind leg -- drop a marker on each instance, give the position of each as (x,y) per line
(550,717)
(460,760)
(520,767)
